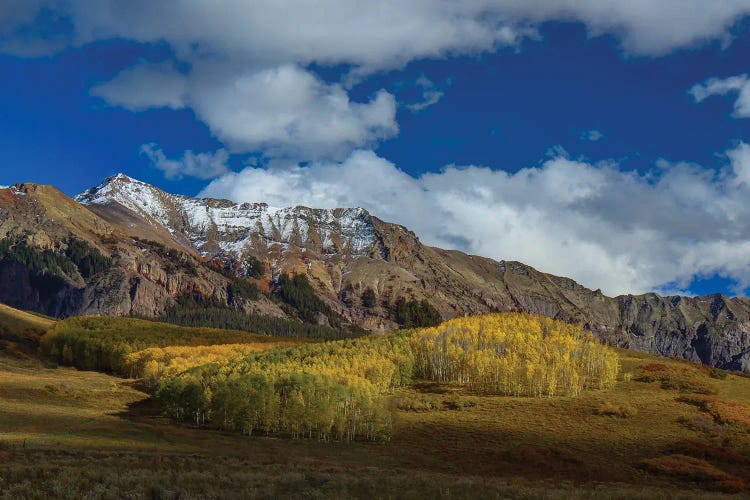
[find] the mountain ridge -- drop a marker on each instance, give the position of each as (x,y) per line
(344,252)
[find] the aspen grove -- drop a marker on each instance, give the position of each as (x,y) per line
(514,354)
(334,390)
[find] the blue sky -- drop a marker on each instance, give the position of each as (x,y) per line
(605,145)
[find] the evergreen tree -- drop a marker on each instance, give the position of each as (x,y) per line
(369,300)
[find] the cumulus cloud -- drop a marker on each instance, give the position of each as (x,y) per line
(289,110)
(623,232)
(430,95)
(722,86)
(284,110)
(645,27)
(592,135)
(259,49)
(199,165)
(389,33)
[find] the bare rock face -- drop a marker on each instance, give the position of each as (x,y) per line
(343,252)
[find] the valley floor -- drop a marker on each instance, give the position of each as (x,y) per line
(73,434)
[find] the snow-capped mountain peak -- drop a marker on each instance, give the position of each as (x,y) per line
(216,227)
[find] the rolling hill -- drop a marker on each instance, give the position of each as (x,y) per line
(666,428)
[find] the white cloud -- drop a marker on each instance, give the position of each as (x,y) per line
(199,165)
(620,231)
(645,27)
(257,92)
(592,135)
(390,33)
(145,86)
(739,84)
(430,95)
(290,109)
(283,110)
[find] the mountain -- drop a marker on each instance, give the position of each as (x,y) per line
(164,247)
(59,258)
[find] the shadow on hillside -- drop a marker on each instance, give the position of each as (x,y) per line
(430,387)
(142,409)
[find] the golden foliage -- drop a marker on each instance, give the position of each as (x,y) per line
(515,354)
(325,391)
(154,363)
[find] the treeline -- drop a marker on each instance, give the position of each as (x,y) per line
(318,391)
(514,354)
(104,343)
(87,259)
(74,257)
(299,405)
(198,311)
(298,292)
(239,288)
(416,313)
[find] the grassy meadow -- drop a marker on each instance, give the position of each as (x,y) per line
(664,429)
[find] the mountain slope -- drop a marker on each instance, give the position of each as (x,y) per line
(48,243)
(160,248)
(346,251)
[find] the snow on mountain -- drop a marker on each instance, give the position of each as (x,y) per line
(233,227)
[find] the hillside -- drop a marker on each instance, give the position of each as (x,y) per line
(664,429)
(21,331)
(171,257)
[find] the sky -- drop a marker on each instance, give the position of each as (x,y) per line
(604,141)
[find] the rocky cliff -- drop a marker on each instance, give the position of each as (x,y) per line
(38,223)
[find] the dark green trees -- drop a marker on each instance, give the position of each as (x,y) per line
(412,313)
(369,300)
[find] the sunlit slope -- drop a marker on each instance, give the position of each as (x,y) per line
(17,321)
(131,347)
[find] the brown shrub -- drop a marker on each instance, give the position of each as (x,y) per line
(721,410)
(706,450)
(417,403)
(542,456)
(695,469)
(702,423)
(655,367)
(616,410)
(686,380)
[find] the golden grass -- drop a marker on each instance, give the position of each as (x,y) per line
(17,320)
(20,331)
(89,432)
